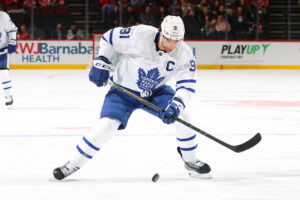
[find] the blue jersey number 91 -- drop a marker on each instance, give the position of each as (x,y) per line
(124,33)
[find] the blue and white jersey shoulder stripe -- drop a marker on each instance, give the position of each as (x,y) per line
(8,30)
(186,76)
(188,84)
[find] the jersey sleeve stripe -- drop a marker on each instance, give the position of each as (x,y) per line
(186,81)
(103,59)
(12,31)
(110,37)
(104,39)
(189,89)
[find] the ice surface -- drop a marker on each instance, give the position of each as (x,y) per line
(55,108)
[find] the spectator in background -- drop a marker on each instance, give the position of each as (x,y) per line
(263,3)
(186,8)
(215,9)
(206,15)
(62,14)
(29,3)
(210,29)
(221,10)
(202,16)
(45,3)
(61,8)
(130,17)
(114,17)
(16,11)
(240,25)
(12,5)
(107,7)
(222,27)
(137,2)
(204,3)
(151,3)
(263,27)
(175,8)
(160,16)
(23,33)
(74,33)
(147,17)
(164,3)
(57,33)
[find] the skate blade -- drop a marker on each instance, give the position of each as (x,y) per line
(10,107)
(53,180)
(200,176)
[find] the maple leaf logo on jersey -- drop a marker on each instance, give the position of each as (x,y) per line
(150,80)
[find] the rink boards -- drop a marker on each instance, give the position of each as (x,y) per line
(78,54)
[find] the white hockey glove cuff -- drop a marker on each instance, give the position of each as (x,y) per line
(101,64)
(179,103)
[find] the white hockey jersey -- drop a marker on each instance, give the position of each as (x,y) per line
(140,66)
(8,31)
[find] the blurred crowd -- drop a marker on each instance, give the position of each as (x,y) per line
(51,17)
(204,19)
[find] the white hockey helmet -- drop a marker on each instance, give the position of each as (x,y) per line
(172,27)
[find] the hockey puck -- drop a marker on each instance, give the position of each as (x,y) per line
(155,177)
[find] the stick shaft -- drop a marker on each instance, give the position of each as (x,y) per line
(238,148)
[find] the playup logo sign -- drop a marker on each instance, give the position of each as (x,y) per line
(238,51)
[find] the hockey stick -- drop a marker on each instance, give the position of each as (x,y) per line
(236,148)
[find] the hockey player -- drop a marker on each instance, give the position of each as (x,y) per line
(8,34)
(142,59)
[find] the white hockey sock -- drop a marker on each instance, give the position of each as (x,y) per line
(188,148)
(186,138)
(6,82)
(90,144)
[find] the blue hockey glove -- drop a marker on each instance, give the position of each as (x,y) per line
(11,48)
(99,73)
(173,110)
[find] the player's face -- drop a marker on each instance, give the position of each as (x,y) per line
(168,44)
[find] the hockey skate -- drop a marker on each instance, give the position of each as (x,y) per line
(197,169)
(8,102)
(64,171)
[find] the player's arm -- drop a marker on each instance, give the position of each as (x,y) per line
(185,88)
(186,81)
(112,42)
(11,31)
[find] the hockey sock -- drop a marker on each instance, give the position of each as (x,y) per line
(90,144)
(188,148)
(6,82)
(186,139)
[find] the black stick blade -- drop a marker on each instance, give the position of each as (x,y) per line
(247,145)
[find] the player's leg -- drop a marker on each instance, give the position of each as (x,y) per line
(185,136)
(115,113)
(88,146)
(187,149)
(5,80)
